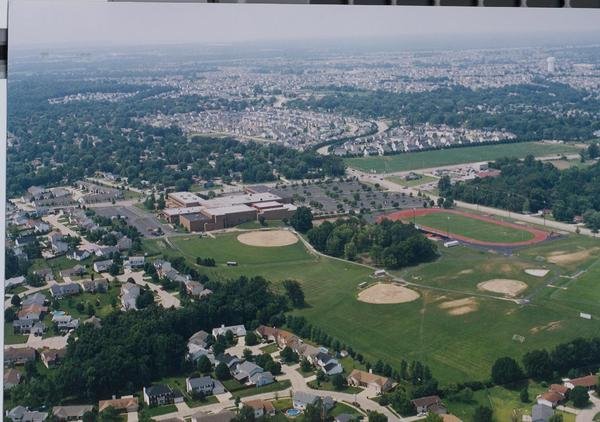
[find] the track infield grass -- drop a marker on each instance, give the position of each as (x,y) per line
(457,347)
(473,228)
(438,158)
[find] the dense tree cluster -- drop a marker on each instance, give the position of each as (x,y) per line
(391,244)
(133,349)
(76,139)
(514,108)
(532,185)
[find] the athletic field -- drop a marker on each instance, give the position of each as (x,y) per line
(437,158)
(470,228)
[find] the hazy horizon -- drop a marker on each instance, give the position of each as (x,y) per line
(84,23)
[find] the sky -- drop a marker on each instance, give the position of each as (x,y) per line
(97,22)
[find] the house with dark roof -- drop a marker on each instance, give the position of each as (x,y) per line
(541,413)
(60,291)
(34,299)
(227,359)
(429,404)
(160,394)
(51,357)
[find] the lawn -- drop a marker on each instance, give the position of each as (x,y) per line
(328,386)
(269,348)
(400,180)
(428,159)
(10,337)
(456,347)
(473,228)
(102,303)
(160,410)
(251,391)
(257,225)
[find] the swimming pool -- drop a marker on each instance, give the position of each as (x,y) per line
(292,412)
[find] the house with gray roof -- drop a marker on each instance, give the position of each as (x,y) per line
(245,370)
(68,413)
(261,378)
(301,399)
(66,289)
(206,385)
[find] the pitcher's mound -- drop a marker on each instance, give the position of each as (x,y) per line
(504,286)
(268,238)
(385,293)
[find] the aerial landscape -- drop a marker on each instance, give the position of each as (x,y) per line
(324,229)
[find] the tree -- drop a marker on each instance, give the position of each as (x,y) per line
(288,355)
(15,301)
(251,339)
(305,365)
(10,314)
(301,220)
(557,417)
(246,414)
(294,292)
(537,364)
(204,365)
(377,417)
(222,371)
(524,395)
(433,417)
(110,414)
(145,299)
(338,382)
(593,150)
(580,397)
(483,414)
(313,412)
(506,371)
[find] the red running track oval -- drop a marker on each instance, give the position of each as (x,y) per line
(407,215)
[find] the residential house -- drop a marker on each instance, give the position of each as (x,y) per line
(60,291)
(32,312)
(41,227)
(38,329)
(65,322)
(541,413)
(129,295)
(51,357)
(106,251)
(301,399)
(245,370)
(45,274)
(261,407)
(124,243)
(227,359)
(237,330)
(377,383)
(261,378)
(159,394)
(99,285)
(267,333)
(102,266)
(134,262)
(429,404)
(23,414)
(206,385)
(195,288)
(79,254)
(222,416)
(124,404)
(18,355)
(77,270)
(14,281)
(199,338)
(23,326)
(34,299)
(12,377)
(589,382)
(329,365)
(71,413)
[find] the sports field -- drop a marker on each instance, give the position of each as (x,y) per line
(399,180)
(437,158)
(469,227)
(426,328)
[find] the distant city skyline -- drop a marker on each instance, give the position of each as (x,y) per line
(96,22)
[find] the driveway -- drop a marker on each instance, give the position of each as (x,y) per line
(587,415)
(167,300)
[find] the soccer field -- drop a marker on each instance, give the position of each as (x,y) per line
(437,158)
(458,342)
(472,228)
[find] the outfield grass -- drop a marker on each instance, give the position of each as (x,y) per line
(456,347)
(473,228)
(437,158)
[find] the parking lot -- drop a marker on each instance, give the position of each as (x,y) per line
(330,198)
(144,221)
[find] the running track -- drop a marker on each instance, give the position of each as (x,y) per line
(407,215)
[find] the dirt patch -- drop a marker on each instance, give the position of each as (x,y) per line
(504,286)
(559,257)
(537,272)
(268,238)
(463,272)
(551,326)
(386,293)
(460,306)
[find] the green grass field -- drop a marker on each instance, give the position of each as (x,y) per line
(427,159)
(470,227)
(456,347)
(399,180)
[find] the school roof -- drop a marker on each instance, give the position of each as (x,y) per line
(230,209)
